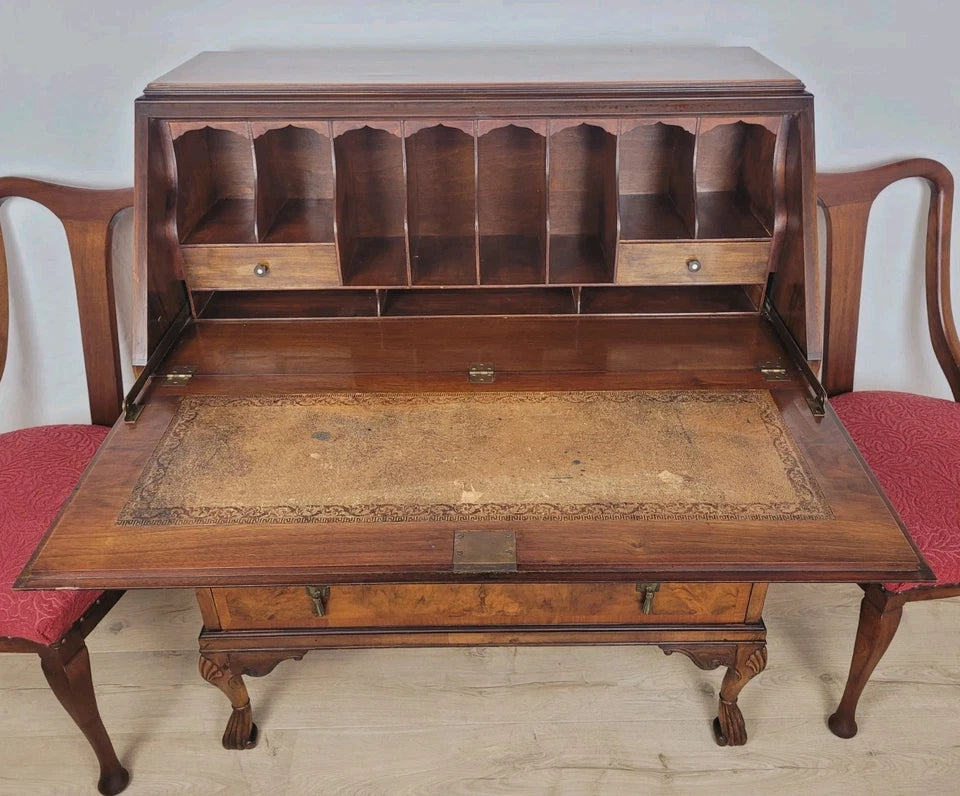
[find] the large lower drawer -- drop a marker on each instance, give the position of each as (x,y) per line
(251,267)
(477,604)
(693,262)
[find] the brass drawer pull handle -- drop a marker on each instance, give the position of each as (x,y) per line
(261,269)
(649,590)
(320,596)
(694,265)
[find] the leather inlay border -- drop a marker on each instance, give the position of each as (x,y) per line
(146,508)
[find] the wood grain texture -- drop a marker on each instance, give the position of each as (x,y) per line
(861,542)
(505,71)
(287,267)
(604,720)
(737,263)
(481,604)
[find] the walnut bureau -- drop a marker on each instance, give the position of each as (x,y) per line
(475,348)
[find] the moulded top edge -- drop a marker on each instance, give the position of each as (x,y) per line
(497,71)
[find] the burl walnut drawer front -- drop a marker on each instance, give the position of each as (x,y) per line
(693,262)
(303,266)
(472,604)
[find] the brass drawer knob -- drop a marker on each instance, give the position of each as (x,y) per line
(694,265)
(261,269)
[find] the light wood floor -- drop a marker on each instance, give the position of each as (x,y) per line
(499,720)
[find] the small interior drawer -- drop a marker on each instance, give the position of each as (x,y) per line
(253,267)
(693,262)
(480,604)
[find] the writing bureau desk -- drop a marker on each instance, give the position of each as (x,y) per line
(476,348)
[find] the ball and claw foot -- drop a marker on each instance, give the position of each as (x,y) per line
(241,732)
(728,727)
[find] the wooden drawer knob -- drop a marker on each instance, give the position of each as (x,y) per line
(261,269)
(694,265)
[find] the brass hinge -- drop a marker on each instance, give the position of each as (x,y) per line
(816,394)
(774,371)
(320,595)
(132,406)
(179,375)
(481,374)
(649,590)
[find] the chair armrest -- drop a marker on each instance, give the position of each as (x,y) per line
(847,199)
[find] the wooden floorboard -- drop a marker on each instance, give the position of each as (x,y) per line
(578,720)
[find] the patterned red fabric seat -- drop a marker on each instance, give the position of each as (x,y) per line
(912,444)
(39,468)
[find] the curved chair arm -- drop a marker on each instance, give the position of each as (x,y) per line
(88,217)
(847,199)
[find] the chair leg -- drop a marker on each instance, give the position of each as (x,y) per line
(880,613)
(67,669)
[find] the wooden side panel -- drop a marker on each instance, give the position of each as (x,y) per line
(794,291)
(158,293)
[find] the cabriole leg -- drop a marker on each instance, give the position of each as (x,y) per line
(744,660)
(241,732)
(880,614)
(68,673)
(728,727)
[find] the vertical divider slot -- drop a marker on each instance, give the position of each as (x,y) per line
(512,201)
(441,202)
(371,200)
(656,179)
(295,182)
(216,182)
(582,188)
(735,176)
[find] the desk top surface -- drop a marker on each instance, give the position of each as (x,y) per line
(494,69)
(767,448)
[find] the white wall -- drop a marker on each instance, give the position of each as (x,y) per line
(884,73)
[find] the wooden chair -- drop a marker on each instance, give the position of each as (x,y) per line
(911,442)
(39,467)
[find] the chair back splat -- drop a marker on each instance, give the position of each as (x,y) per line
(88,217)
(847,200)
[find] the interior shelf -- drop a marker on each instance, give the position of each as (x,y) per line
(441,205)
(656,181)
(735,180)
(583,204)
(512,207)
(492,301)
(252,304)
(295,185)
(661,300)
(215,187)
(371,206)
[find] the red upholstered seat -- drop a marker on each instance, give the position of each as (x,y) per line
(912,444)
(39,468)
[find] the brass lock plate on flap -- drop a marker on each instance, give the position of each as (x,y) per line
(484,551)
